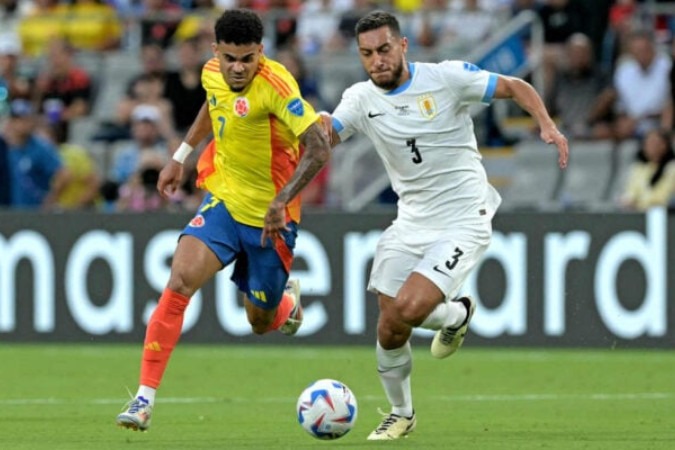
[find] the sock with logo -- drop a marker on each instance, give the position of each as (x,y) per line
(394,367)
(283,311)
(162,336)
(147,394)
(446,314)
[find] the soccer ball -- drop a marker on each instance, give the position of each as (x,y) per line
(327,409)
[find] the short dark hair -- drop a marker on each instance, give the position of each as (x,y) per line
(375,20)
(239,27)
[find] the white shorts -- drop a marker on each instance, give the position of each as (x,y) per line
(446,257)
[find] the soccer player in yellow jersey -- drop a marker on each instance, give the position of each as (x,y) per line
(253,174)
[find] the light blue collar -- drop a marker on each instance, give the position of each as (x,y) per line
(404,86)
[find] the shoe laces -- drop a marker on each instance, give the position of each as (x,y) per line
(388,421)
(135,405)
(448,334)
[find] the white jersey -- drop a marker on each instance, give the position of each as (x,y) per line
(424,135)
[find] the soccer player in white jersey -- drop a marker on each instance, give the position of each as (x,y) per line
(416,116)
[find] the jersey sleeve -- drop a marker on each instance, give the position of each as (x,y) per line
(291,108)
(471,83)
(210,75)
(346,115)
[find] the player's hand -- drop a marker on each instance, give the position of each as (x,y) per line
(170,178)
(327,125)
(275,223)
(552,135)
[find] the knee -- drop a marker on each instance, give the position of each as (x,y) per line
(392,334)
(391,339)
(180,282)
(410,310)
(260,322)
(260,326)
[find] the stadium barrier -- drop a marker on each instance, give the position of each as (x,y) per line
(568,280)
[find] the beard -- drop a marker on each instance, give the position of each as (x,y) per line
(394,82)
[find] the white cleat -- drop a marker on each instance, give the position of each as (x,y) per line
(292,324)
(136,416)
(393,427)
(448,340)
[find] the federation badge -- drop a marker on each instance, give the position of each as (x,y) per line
(427,106)
(296,107)
(241,106)
(197,221)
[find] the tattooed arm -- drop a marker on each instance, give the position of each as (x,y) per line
(315,156)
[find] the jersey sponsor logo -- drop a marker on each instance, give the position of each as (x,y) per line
(427,106)
(296,107)
(471,67)
(403,110)
(197,221)
(241,106)
(372,114)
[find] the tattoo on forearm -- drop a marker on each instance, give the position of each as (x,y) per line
(317,153)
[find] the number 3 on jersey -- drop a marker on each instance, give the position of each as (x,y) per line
(417,156)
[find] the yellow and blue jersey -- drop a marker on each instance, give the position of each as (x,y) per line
(256,147)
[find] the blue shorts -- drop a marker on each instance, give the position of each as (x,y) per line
(260,272)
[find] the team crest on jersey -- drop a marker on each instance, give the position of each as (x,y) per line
(241,106)
(427,106)
(296,107)
(197,221)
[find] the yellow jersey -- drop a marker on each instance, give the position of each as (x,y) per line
(256,147)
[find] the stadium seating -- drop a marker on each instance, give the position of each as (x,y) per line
(588,175)
(536,178)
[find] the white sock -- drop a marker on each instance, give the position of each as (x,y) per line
(394,367)
(446,314)
(147,393)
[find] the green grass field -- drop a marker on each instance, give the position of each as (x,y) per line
(242,397)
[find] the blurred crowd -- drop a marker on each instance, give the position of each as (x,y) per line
(607,64)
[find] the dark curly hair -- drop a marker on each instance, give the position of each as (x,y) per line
(239,27)
(375,20)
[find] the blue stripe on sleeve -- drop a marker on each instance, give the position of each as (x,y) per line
(491,88)
(337,125)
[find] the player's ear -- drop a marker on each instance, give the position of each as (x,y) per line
(214,48)
(404,44)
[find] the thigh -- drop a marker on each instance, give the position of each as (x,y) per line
(393,263)
(193,265)
(214,226)
(449,259)
(262,272)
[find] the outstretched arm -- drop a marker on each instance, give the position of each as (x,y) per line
(172,174)
(315,156)
(527,98)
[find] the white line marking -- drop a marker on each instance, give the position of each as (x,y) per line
(446,398)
